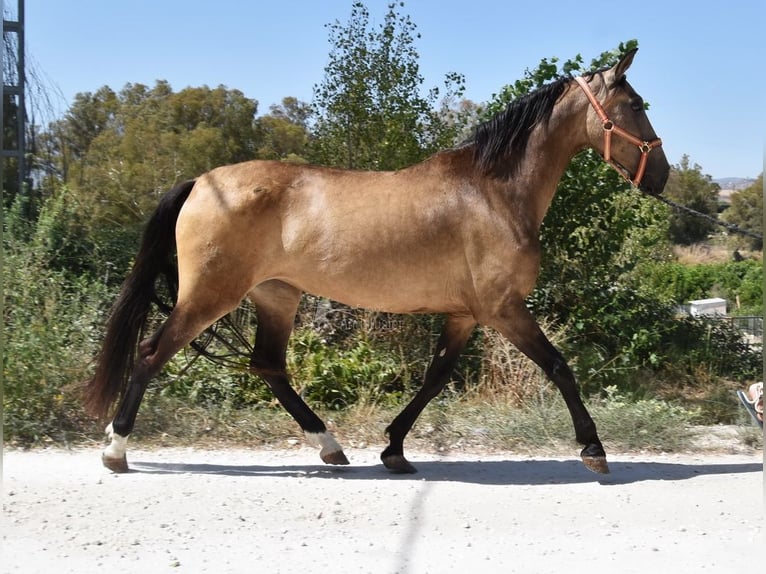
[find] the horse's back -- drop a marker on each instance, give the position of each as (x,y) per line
(388,240)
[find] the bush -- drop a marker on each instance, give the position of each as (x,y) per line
(199,381)
(337,377)
(679,284)
(52,330)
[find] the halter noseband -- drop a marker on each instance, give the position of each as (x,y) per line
(609,127)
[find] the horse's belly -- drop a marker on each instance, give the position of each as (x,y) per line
(385,288)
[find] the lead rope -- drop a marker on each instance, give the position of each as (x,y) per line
(729,226)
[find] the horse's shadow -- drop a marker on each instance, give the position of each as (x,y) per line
(502,472)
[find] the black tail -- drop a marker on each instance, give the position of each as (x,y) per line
(130,312)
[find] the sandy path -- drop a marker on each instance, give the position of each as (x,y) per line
(187,510)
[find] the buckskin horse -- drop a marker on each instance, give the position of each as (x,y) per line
(457,234)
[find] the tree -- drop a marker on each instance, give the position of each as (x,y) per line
(285,130)
(117,152)
(746,211)
(370,113)
(689,187)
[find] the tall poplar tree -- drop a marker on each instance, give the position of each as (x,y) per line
(370,109)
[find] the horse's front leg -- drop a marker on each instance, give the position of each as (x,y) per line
(517,324)
(454,336)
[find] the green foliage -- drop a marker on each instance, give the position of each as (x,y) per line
(746,211)
(51,331)
(689,187)
(549,70)
(339,376)
(679,284)
(332,376)
(119,152)
(60,235)
(653,423)
(369,108)
(713,346)
(202,382)
(285,131)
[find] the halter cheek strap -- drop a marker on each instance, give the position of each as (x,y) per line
(609,127)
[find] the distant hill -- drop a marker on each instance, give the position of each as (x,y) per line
(734,183)
(731,185)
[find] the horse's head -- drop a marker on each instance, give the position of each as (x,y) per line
(620,130)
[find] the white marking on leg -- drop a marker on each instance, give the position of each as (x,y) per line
(324,440)
(118,445)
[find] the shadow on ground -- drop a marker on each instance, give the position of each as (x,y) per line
(503,472)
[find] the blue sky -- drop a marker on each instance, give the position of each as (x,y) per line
(700,65)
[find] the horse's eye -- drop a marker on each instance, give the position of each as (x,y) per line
(636,104)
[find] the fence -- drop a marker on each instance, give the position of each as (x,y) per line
(751,327)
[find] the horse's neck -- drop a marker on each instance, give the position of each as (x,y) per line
(550,149)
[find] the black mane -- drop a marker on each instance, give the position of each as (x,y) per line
(499,143)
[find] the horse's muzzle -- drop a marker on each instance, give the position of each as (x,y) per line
(654,183)
(656,174)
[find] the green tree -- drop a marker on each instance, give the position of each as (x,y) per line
(117,152)
(688,186)
(285,130)
(370,113)
(746,211)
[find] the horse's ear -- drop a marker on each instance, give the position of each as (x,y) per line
(623,65)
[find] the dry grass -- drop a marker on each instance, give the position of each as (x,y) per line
(701,253)
(717,251)
(509,377)
(513,409)
(450,425)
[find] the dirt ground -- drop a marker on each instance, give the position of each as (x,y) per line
(283,511)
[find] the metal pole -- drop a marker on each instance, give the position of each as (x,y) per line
(2,101)
(17,90)
(21,117)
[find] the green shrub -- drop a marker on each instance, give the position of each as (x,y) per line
(199,381)
(337,377)
(679,284)
(52,330)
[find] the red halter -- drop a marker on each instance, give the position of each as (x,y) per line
(609,127)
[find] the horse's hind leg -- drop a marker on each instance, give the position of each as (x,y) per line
(276,304)
(183,325)
(519,326)
(452,340)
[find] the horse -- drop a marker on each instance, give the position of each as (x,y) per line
(456,234)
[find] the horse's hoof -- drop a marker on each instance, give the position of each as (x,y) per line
(117,465)
(398,464)
(336,457)
(596,464)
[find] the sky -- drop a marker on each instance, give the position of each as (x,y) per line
(699,65)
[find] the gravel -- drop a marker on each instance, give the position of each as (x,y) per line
(283,511)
